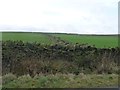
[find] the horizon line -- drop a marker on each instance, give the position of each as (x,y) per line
(59,33)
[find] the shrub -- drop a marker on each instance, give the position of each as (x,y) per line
(33,58)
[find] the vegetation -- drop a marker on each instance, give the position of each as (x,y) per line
(58,63)
(26,37)
(100,41)
(31,58)
(60,81)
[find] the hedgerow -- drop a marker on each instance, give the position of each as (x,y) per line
(21,58)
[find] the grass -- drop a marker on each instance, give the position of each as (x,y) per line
(61,81)
(97,40)
(26,37)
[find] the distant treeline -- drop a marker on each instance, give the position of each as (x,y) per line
(22,58)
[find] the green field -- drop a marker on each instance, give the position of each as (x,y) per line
(26,37)
(97,40)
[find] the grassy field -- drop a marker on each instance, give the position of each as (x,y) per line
(60,81)
(27,37)
(97,40)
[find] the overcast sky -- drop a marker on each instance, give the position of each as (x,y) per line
(70,16)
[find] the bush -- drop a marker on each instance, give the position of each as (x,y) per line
(22,58)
